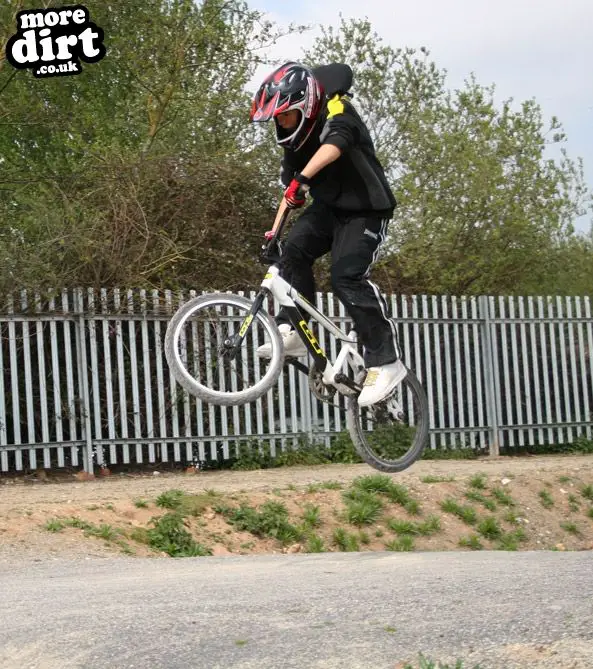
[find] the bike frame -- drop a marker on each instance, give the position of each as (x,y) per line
(289,298)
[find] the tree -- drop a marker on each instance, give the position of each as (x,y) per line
(135,171)
(481,210)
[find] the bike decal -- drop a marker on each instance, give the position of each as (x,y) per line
(311,337)
(245,325)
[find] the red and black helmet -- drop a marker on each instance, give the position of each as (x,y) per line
(291,86)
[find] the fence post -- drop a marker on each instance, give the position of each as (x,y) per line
(83,382)
(489,381)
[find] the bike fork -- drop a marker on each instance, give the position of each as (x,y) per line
(234,343)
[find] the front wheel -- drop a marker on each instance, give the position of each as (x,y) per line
(391,435)
(200,347)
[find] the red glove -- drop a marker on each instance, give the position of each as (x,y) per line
(268,235)
(296,193)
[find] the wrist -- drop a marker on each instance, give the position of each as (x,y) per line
(302,179)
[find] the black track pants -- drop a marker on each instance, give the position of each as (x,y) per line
(354,242)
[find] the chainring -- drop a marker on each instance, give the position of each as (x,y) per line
(321,391)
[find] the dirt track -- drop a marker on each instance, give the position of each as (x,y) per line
(18,493)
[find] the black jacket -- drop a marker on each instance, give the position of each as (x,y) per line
(355,182)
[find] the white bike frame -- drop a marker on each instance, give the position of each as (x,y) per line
(288,296)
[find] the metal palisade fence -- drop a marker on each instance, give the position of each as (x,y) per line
(85,382)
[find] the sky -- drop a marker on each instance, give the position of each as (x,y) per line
(540,49)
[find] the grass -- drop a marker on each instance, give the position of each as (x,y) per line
(437,479)
(324,485)
(171,499)
(315,544)
(270,520)
(426,528)
(425,663)
(169,535)
(402,544)
(472,541)
(362,508)
(587,492)
(476,496)
(465,513)
(502,497)
(546,499)
(141,503)
(590,513)
(571,528)
(509,541)
(574,503)
(478,482)
(311,516)
(511,517)
(489,528)
(346,541)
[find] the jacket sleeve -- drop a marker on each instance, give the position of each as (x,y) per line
(340,129)
(287,170)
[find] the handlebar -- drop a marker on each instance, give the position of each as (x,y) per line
(272,251)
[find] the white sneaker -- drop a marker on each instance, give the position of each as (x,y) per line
(293,344)
(380,382)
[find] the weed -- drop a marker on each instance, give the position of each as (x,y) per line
(412,507)
(546,499)
(402,526)
(332,485)
(431,525)
(502,497)
(78,523)
(141,503)
(465,513)
(398,494)
(475,496)
(437,479)
(402,544)
(571,528)
(270,521)
(170,499)
(564,479)
(103,532)
(379,532)
(489,528)
(590,513)
(92,507)
(511,517)
(195,505)
(390,629)
(364,538)
(587,492)
(110,507)
(55,525)
(345,540)
(315,544)
(478,482)
(509,541)
(140,534)
(311,516)
(373,483)
(472,541)
(424,663)
(574,503)
(364,509)
(169,535)
(240,642)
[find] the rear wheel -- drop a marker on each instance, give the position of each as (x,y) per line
(391,435)
(200,347)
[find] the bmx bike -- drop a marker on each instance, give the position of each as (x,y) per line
(211,343)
